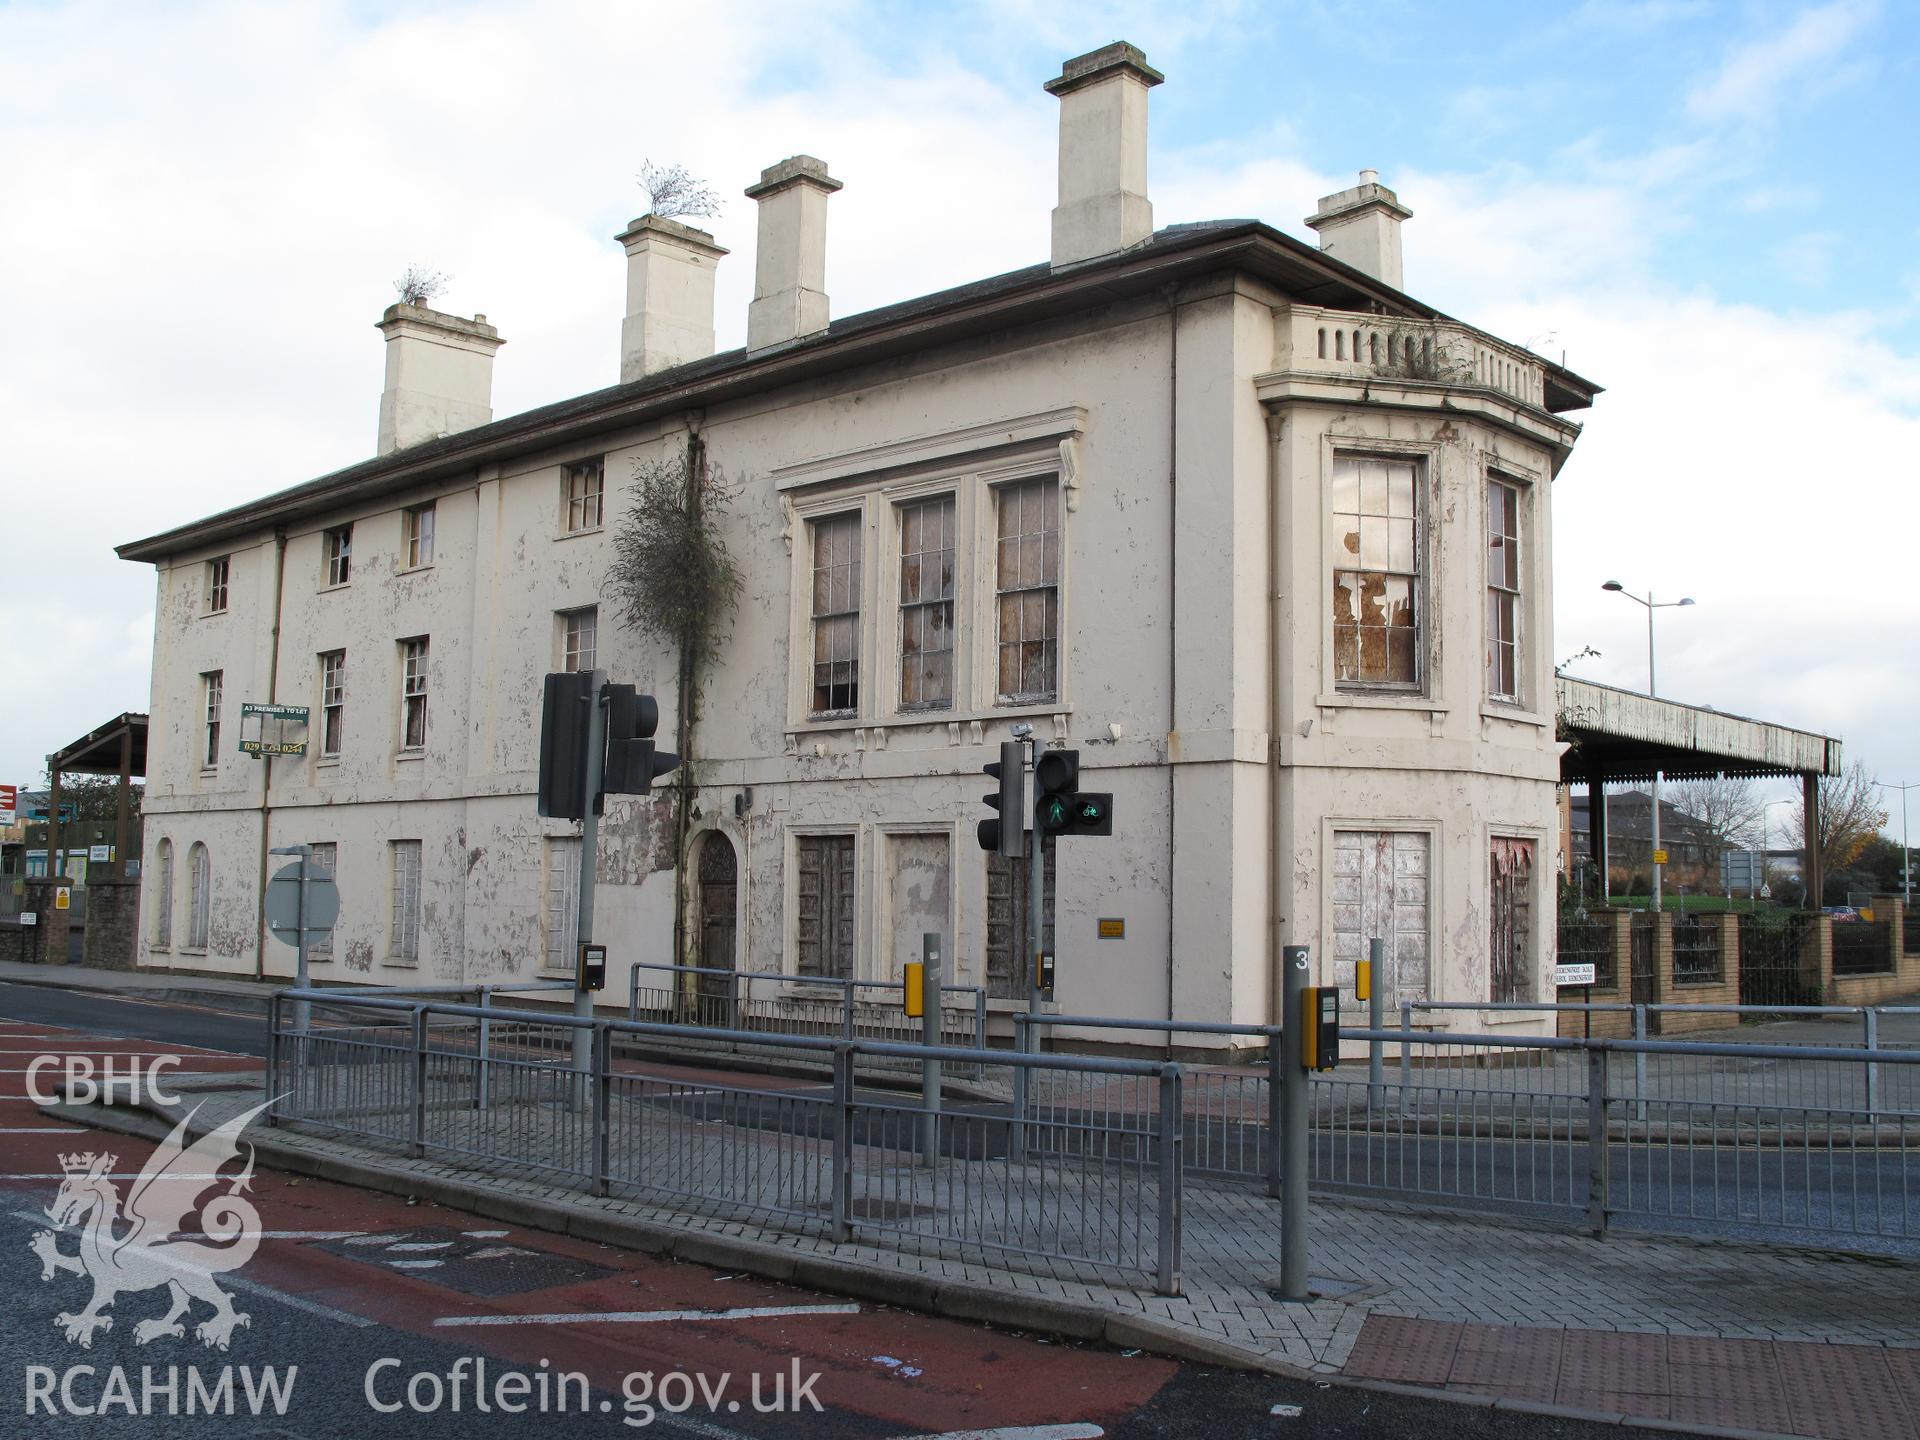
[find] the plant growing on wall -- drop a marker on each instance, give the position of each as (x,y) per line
(673,192)
(674,580)
(1417,352)
(418,285)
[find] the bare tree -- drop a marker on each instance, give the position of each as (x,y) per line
(673,192)
(1727,807)
(1850,816)
(418,285)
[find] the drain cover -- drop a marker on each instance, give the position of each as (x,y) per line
(484,1265)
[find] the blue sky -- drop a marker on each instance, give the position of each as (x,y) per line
(1709,208)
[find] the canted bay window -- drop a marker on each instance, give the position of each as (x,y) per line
(1503,590)
(926,604)
(1027,590)
(1376,572)
(836,544)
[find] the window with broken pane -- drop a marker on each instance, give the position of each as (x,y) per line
(836,614)
(1376,572)
(926,604)
(1027,589)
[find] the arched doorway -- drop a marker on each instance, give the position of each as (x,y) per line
(718,896)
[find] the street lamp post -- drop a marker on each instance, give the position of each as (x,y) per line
(1651,605)
(1766,867)
(1906,845)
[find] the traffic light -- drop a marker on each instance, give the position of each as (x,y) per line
(633,760)
(1059,807)
(1005,835)
(565,715)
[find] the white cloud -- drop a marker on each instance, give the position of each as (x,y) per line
(206,207)
(1756,78)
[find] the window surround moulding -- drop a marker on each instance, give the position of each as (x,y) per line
(1047,428)
(932,719)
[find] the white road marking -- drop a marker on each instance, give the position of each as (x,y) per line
(1075,1431)
(421,1245)
(1286,1412)
(413,1264)
(649,1317)
(309,1307)
(44,1130)
(483,1234)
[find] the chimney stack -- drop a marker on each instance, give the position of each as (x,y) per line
(670,270)
(439,375)
(1103,153)
(1362,227)
(790,258)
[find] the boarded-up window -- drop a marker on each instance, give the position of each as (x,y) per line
(919,895)
(824,942)
(1380,891)
(560,903)
(1009,888)
(1511,908)
(323,863)
(403,895)
(163,898)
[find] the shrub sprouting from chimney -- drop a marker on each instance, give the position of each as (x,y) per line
(418,285)
(673,193)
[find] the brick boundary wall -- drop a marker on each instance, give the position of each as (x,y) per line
(1903,975)
(113,925)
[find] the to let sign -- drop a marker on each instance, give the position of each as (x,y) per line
(273,730)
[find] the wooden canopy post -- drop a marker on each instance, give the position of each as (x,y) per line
(1810,856)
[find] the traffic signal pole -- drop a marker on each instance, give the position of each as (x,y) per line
(1036,889)
(589,865)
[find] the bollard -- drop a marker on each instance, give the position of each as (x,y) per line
(1597,1176)
(930,1036)
(1376,1004)
(846,1010)
(1293,1129)
(1167,1268)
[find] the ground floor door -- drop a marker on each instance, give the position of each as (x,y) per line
(1381,891)
(719,887)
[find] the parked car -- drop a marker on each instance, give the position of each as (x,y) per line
(1841,913)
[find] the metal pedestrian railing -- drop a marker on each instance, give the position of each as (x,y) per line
(771,1003)
(1086,1162)
(1092,1187)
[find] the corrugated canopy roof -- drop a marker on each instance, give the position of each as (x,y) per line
(1623,735)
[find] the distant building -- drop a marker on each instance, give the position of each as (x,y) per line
(1693,851)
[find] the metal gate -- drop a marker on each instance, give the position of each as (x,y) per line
(1643,977)
(1771,970)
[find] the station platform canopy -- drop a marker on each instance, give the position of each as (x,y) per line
(1621,735)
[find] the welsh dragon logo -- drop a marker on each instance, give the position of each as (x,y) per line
(141,1247)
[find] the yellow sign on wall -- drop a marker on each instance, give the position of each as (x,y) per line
(1112,928)
(61,900)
